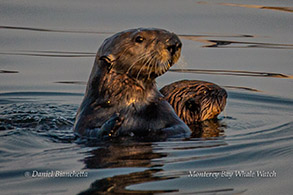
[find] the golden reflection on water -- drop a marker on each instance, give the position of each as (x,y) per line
(234,73)
(118,183)
(207,129)
(124,155)
(199,38)
(234,44)
(215,72)
(132,154)
(242,88)
(135,154)
(284,9)
(207,39)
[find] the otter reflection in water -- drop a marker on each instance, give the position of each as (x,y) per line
(122,99)
(148,157)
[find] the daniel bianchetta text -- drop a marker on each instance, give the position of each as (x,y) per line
(234,173)
(56,174)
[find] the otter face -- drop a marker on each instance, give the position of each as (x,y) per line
(141,53)
(213,102)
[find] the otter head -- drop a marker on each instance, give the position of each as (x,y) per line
(140,53)
(207,102)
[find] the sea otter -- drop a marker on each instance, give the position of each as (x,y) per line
(121,97)
(195,101)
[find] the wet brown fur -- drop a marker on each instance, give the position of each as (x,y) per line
(195,101)
(122,83)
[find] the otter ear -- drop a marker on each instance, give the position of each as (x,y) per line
(108,59)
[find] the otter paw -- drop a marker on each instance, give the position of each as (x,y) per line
(110,127)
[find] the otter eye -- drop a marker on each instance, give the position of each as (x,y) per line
(191,105)
(139,39)
(206,91)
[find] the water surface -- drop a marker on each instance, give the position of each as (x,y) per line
(47,51)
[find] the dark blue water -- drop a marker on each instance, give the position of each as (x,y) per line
(47,51)
(253,135)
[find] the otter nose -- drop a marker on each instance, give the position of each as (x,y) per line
(174,45)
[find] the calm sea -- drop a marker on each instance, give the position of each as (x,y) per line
(46,54)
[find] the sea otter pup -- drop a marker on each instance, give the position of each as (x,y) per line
(195,101)
(121,98)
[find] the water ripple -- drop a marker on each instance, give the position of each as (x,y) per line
(40,93)
(53,30)
(234,73)
(215,43)
(43,119)
(9,71)
(58,54)
(275,8)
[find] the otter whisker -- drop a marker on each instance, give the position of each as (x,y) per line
(145,62)
(142,67)
(128,46)
(166,67)
(152,63)
(161,68)
(149,64)
(156,67)
(137,60)
(149,67)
